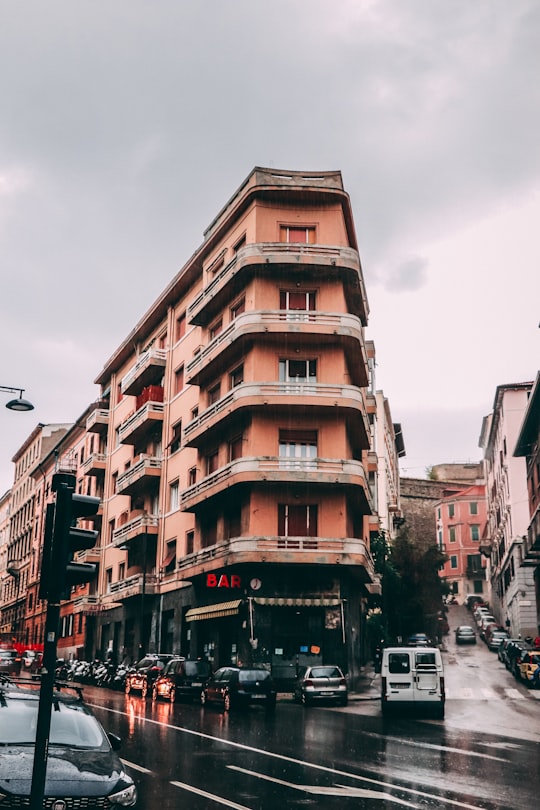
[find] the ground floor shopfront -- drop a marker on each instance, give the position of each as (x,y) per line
(280,616)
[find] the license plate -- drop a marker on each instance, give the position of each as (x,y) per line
(258,696)
(399,686)
(196,683)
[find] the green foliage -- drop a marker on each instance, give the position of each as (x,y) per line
(411,587)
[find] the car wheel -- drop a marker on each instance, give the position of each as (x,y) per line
(226,702)
(172,696)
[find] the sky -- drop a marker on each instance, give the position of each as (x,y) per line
(125,126)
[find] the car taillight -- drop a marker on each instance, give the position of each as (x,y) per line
(308,682)
(342,682)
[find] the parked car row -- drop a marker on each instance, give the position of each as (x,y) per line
(521,659)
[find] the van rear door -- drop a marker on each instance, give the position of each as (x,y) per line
(426,676)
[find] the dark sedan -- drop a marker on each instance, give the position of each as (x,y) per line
(83,769)
(234,687)
(465,635)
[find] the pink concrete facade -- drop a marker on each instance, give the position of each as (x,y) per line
(461,521)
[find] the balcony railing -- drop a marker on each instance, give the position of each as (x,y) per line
(284,470)
(291,254)
(296,549)
(147,469)
(140,422)
(266,322)
(250,394)
(95,464)
(137,585)
(98,421)
(143,371)
(141,525)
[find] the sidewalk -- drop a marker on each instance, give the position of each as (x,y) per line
(367,686)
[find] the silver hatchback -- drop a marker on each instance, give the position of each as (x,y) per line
(321,683)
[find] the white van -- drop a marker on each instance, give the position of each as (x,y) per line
(412,676)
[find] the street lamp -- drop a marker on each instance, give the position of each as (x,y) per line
(18,404)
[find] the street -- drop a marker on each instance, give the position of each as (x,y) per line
(483,755)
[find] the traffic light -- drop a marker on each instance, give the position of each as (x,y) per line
(66,538)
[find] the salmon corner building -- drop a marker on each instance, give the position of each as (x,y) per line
(237,446)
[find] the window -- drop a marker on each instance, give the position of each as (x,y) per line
(297,302)
(215,329)
(174,444)
(169,561)
(236,377)
(190,542)
(195,412)
(451,510)
(297,520)
(121,571)
(399,663)
(238,308)
(235,448)
(180,326)
(179,380)
(297,449)
(192,476)
(475,531)
(214,394)
(212,462)
(453,561)
(297,233)
(473,508)
(299,371)
(452,534)
(239,244)
(174,492)
(474,563)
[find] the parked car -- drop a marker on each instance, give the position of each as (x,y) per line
(182,678)
(514,654)
(234,687)
(465,634)
(483,623)
(10,662)
(495,639)
(419,640)
(83,768)
(473,600)
(527,666)
(502,651)
(141,678)
(321,683)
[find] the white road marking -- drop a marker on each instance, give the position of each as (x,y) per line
(135,766)
(432,746)
(346,791)
(212,796)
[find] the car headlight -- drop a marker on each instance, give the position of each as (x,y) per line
(125,797)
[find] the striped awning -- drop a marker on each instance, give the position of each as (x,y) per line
(277,601)
(214,611)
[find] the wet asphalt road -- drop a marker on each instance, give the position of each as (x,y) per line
(485,753)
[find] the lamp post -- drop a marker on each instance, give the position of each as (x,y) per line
(17,404)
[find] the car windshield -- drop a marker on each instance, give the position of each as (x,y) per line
(197,668)
(325,672)
(70,725)
(253,675)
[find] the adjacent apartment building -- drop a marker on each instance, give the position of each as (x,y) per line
(233,446)
(511,578)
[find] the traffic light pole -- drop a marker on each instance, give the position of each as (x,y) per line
(45,705)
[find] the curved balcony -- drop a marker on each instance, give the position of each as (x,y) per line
(143,474)
(137,585)
(274,549)
(349,474)
(277,326)
(324,261)
(95,464)
(139,526)
(142,422)
(147,370)
(98,421)
(346,400)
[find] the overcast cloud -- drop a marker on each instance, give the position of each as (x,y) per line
(125,126)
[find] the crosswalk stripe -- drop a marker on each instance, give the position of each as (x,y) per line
(485,693)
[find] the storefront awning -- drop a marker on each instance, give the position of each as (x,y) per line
(214,611)
(296,602)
